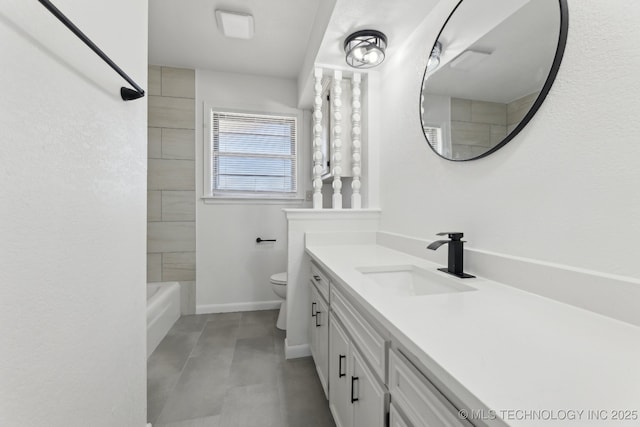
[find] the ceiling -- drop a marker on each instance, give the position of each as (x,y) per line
(522,40)
(184,34)
(396,19)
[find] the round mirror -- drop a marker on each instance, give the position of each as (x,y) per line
(490,68)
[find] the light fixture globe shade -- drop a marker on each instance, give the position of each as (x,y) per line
(372,57)
(434,58)
(358,53)
(433,62)
(365,49)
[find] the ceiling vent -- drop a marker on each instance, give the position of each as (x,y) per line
(235,25)
(468,60)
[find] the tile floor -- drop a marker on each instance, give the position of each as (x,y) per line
(228,370)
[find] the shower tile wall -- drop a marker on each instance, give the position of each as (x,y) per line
(171,240)
(479,125)
(517,109)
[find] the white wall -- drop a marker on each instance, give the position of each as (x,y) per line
(305,79)
(72,217)
(233,271)
(565,190)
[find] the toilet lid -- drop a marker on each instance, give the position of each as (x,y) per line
(279,278)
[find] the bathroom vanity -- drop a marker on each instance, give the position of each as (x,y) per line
(398,343)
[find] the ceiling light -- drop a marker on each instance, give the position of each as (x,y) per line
(365,49)
(434,59)
(469,59)
(235,25)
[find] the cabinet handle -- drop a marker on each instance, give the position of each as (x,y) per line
(340,374)
(316,277)
(317,318)
(313,309)
(353,380)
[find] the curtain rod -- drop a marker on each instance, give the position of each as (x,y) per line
(126,93)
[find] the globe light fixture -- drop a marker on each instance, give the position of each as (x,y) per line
(434,59)
(365,48)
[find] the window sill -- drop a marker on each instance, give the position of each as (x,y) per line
(221,200)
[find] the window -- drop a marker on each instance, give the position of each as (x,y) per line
(434,136)
(253,155)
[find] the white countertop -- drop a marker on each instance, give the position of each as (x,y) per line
(519,354)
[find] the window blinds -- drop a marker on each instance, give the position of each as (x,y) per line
(253,153)
(434,136)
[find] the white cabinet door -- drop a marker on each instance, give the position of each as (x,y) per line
(321,325)
(395,419)
(367,395)
(339,378)
(420,401)
(313,333)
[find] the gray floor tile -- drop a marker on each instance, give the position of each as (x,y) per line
(200,389)
(279,337)
(258,323)
(229,370)
(154,407)
(172,353)
(302,399)
(252,405)
(191,323)
(254,362)
(197,422)
(164,367)
(263,316)
(224,316)
(217,337)
(253,330)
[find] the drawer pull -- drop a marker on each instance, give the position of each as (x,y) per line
(317,318)
(353,380)
(340,373)
(316,277)
(313,309)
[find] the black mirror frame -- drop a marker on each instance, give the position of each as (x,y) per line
(553,72)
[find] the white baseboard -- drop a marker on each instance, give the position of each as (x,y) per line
(237,306)
(296,351)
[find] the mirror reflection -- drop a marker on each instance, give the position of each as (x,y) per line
(489,70)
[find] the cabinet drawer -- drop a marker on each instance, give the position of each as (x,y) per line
(421,402)
(320,280)
(371,344)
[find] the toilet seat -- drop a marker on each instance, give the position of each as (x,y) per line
(279,278)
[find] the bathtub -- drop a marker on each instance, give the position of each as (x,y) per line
(163,309)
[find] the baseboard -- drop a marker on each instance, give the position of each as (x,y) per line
(238,306)
(296,351)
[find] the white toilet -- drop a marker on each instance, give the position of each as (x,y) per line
(279,285)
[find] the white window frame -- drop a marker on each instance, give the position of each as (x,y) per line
(211,195)
(437,145)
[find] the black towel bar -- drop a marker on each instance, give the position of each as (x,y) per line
(126,93)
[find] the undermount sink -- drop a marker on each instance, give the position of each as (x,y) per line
(409,280)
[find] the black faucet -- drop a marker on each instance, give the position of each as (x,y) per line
(455,254)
